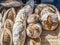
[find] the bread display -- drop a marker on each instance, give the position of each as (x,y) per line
(25,24)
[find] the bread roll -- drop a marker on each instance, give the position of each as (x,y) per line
(33,18)
(49,17)
(49,21)
(34,30)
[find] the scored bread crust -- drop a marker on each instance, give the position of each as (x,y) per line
(9,14)
(34,30)
(8,25)
(33,18)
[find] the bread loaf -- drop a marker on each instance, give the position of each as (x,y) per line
(34,30)
(33,18)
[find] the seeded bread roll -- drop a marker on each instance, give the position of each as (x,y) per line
(36,41)
(33,18)
(34,30)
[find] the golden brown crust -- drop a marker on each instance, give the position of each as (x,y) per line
(33,18)
(9,14)
(8,24)
(6,39)
(34,30)
(50,23)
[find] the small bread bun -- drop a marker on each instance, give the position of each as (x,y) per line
(34,30)
(33,18)
(49,21)
(36,41)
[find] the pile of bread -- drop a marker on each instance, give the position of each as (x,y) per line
(24,25)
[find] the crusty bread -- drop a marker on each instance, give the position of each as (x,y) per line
(34,30)
(33,18)
(9,14)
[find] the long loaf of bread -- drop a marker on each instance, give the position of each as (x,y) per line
(19,28)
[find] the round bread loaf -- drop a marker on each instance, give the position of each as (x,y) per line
(33,18)
(34,30)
